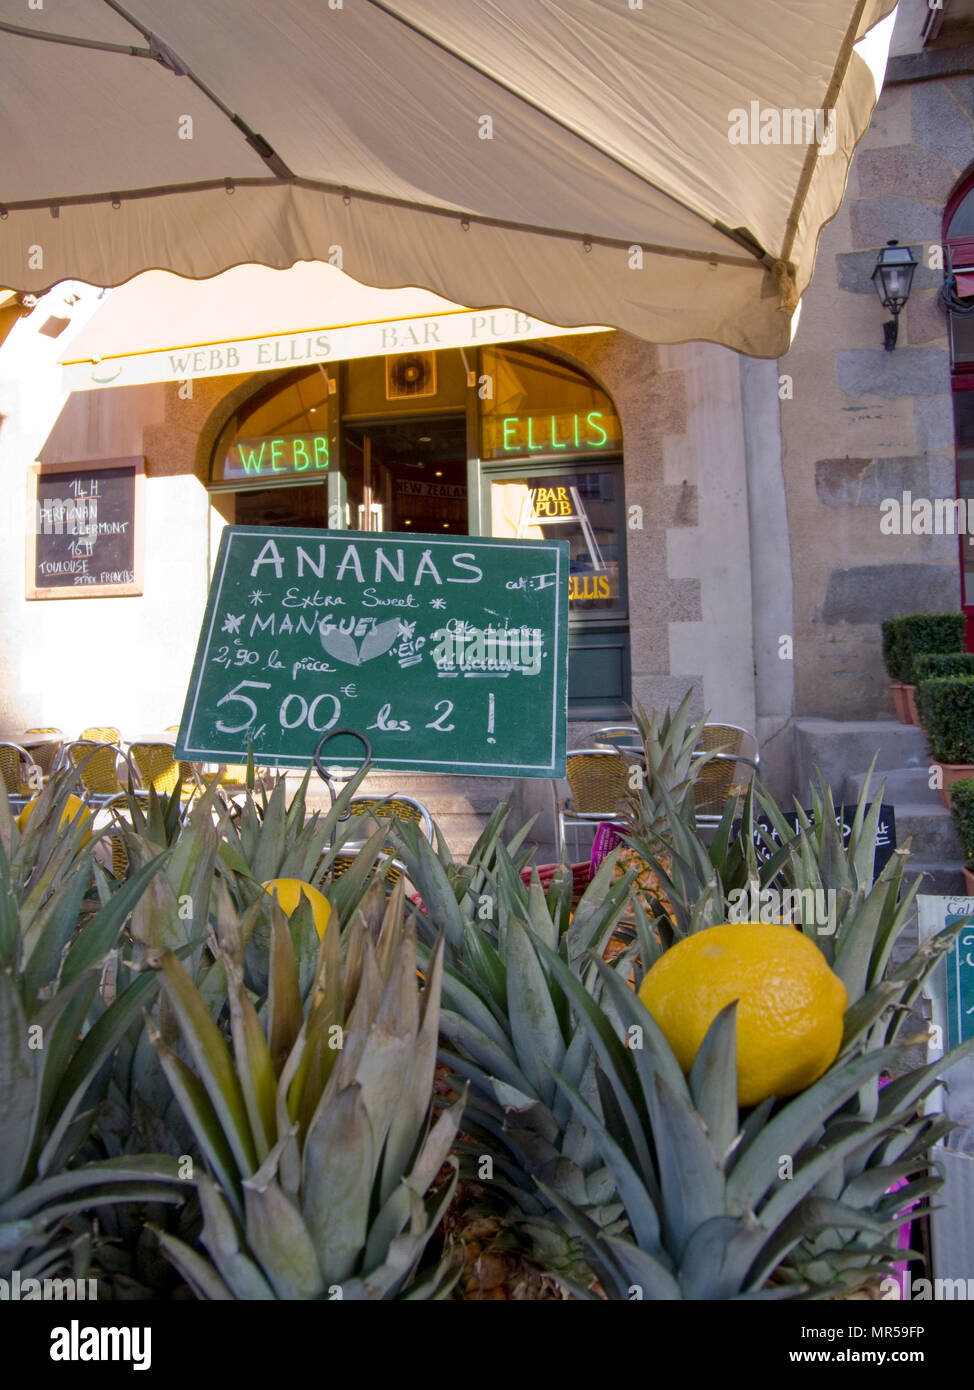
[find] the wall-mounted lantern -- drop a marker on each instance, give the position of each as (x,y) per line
(893,279)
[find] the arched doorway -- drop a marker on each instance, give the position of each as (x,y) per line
(504,441)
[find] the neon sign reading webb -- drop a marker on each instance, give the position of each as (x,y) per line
(292,453)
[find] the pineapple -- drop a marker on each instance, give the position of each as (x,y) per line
(55,944)
(508,1027)
(869,917)
(662,792)
(323,1168)
(712,1211)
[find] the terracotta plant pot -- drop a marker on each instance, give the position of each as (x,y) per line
(910,699)
(968,882)
(899,702)
(950,773)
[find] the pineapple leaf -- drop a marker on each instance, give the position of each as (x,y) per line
(96,1046)
(495,1060)
(20,1087)
(221,1237)
(630,1182)
(338,1166)
(642,1270)
(255,1065)
(614,1056)
(202,1118)
(410,1114)
(713,1080)
(195,1269)
(718,1256)
(212,1057)
(535,1030)
(284,1012)
(112,1175)
(278,1236)
(690,1174)
(756,1167)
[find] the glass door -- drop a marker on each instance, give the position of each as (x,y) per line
(585,506)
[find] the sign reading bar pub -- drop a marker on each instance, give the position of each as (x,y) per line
(449,655)
(84,532)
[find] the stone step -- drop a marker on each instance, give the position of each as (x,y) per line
(931,830)
(834,746)
(904,784)
(942,877)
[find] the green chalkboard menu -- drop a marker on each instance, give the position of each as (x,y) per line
(84,533)
(448,654)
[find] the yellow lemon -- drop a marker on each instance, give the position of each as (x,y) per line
(288,893)
(790,1004)
(72,806)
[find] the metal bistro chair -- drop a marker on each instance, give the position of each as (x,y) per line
(97,764)
(101,733)
(157,768)
(373,812)
(727,774)
(232,777)
(16,768)
(598,781)
(617,736)
(47,754)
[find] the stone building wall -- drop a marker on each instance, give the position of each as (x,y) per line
(865,424)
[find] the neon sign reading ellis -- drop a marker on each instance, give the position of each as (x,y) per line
(533,433)
(275,455)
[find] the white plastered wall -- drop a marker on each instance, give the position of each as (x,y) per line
(74,662)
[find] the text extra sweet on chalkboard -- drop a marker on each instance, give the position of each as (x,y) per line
(449,654)
(84,529)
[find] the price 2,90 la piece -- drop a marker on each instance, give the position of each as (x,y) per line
(450,655)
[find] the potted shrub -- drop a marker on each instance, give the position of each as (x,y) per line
(930,664)
(916,635)
(947,711)
(962,805)
(893,658)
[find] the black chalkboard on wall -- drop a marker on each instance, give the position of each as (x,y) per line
(84,529)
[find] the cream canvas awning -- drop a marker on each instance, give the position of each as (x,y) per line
(664,168)
(162,327)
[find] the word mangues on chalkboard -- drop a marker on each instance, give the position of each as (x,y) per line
(449,655)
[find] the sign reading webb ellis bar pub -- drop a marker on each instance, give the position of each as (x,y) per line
(460,328)
(450,655)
